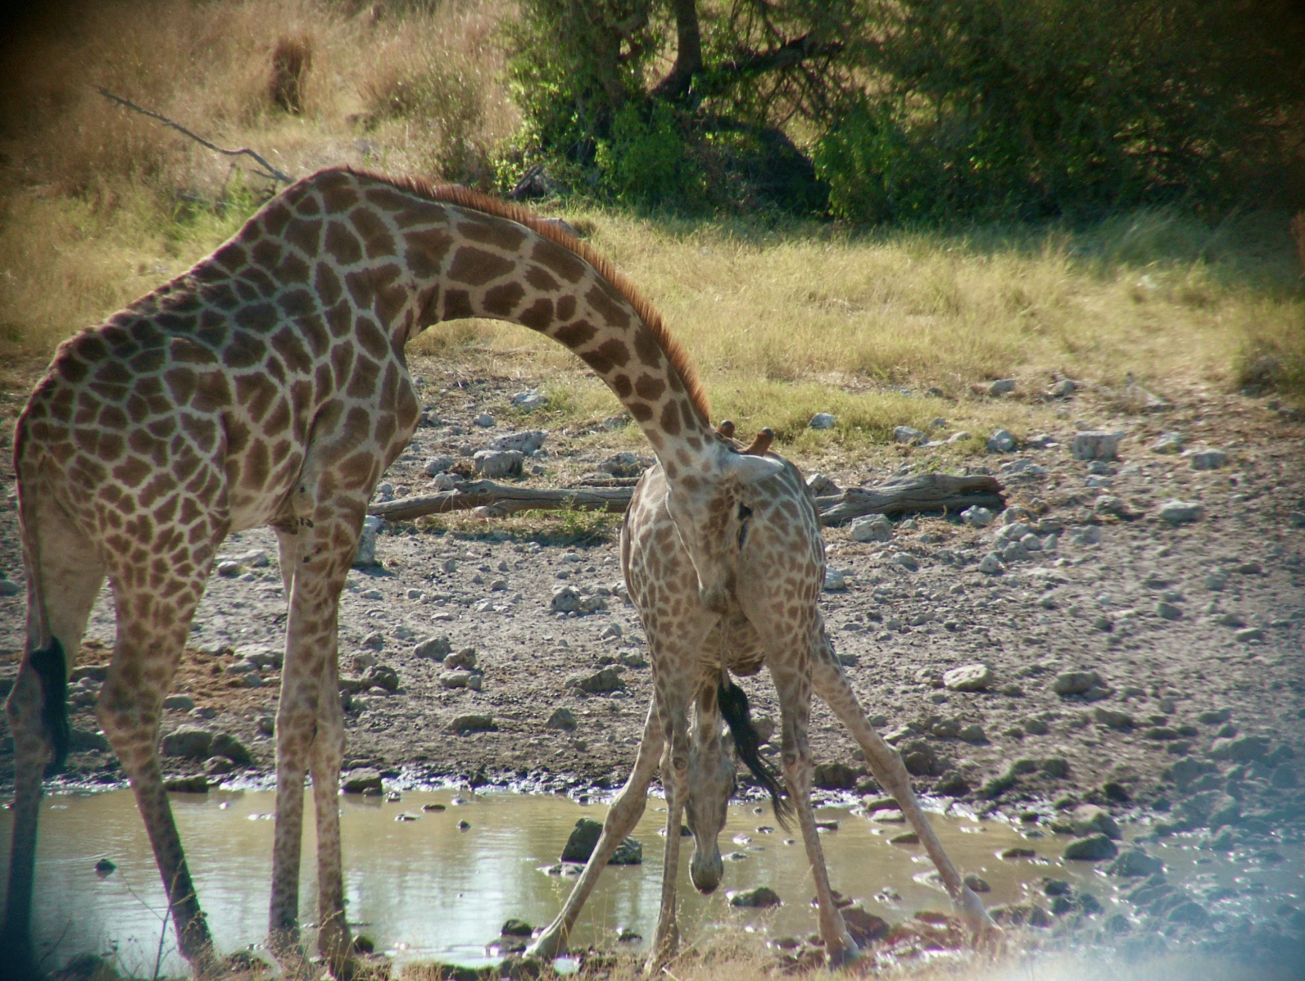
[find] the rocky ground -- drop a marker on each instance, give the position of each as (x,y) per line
(1142,660)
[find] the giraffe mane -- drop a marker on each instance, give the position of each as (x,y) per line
(465,197)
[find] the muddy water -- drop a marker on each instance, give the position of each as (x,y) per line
(427,888)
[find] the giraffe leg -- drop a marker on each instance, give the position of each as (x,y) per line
(309,723)
(151,634)
(886,764)
(793,684)
(623,815)
(673,705)
(62,586)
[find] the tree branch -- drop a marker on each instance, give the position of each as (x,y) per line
(270,171)
(754,63)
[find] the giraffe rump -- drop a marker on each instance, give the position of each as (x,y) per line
(733,703)
(51,667)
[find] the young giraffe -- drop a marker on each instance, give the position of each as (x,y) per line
(768,539)
(267,386)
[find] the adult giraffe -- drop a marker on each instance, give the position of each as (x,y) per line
(267,386)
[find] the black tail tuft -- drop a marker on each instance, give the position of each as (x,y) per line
(52,668)
(733,702)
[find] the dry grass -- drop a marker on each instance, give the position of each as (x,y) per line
(98,205)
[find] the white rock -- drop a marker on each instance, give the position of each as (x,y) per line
(907,561)
(1095,444)
(991,564)
(1001,441)
(436,465)
(957,437)
(529,400)
(484,420)
(971,677)
(1181,512)
(366,554)
(834,581)
(1168,443)
(525,442)
(1206,459)
(875,528)
(977,517)
(446,481)
(498,463)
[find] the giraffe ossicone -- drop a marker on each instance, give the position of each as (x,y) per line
(267,385)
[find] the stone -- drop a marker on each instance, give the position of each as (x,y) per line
(1190,912)
(600,682)
(1056,767)
(1089,819)
(875,528)
(1096,848)
(464,725)
(434,648)
(625,465)
(1077,682)
(959,437)
(909,435)
(227,745)
(189,742)
(919,758)
(864,928)
(179,703)
(1242,749)
(1095,444)
(951,784)
(1001,441)
(991,564)
(525,443)
(484,420)
(454,680)
(9,588)
(464,659)
(437,465)
(360,780)
(762,897)
(568,599)
(529,400)
(907,561)
(835,581)
(562,718)
(382,676)
(1168,443)
(228,568)
(833,775)
(1113,718)
(1002,386)
(971,677)
(977,517)
(1109,504)
(822,420)
(186,785)
(365,557)
(1247,634)
(1168,611)
(1208,459)
(584,838)
(972,733)
(516,928)
(498,463)
(1177,512)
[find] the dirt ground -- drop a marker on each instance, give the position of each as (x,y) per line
(1194,630)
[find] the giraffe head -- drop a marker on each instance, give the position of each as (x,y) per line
(710,786)
(711,517)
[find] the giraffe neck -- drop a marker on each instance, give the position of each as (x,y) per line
(397,257)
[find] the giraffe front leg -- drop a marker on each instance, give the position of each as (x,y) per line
(675,779)
(795,708)
(885,763)
(622,816)
(334,941)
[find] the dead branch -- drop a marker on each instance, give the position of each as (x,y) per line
(923,492)
(271,172)
(920,492)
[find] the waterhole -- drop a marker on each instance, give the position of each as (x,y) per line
(438,884)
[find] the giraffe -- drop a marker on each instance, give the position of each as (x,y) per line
(268,386)
(768,540)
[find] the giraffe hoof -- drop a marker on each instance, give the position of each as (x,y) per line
(845,955)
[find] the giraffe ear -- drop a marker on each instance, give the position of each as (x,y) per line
(751,469)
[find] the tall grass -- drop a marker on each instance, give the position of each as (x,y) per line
(97,205)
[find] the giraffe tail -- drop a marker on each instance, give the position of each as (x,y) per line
(733,703)
(49,662)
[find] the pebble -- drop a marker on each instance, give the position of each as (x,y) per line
(977,517)
(1109,504)
(971,677)
(1113,718)
(228,568)
(600,682)
(1209,459)
(907,561)
(455,679)
(991,564)
(760,898)
(360,780)
(9,588)
(568,599)
(365,557)
(465,658)
(1095,444)
(1002,386)
(1001,441)
(525,442)
(446,481)
(484,420)
(625,465)
(463,725)
(498,463)
(822,420)
(1168,611)
(1095,848)
(907,434)
(835,581)
(434,648)
(529,400)
(1087,535)
(562,718)
(875,528)
(1168,443)
(374,641)
(181,703)
(437,465)
(1178,512)
(1077,682)
(189,742)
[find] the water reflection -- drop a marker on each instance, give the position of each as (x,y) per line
(423,887)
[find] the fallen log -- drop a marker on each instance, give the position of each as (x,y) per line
(496,500)
(916,493)
(906,495)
